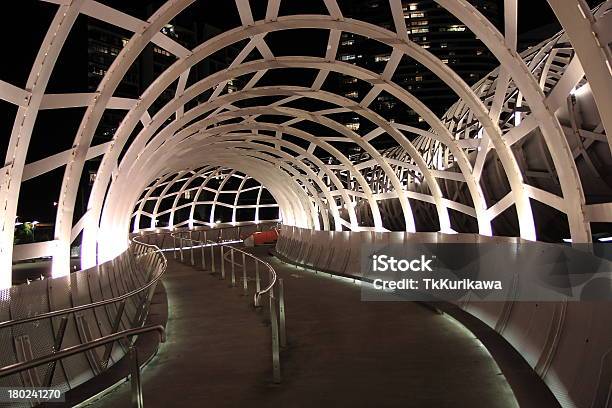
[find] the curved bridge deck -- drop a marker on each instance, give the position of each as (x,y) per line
(342,352)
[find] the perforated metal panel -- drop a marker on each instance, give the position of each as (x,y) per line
(102,320)
(119,288)
(28,301)
(107,293)
(59,298)
(25,341)
(6,340)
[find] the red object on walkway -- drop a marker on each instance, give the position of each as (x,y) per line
(265,237)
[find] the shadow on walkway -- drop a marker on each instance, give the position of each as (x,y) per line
(342,352)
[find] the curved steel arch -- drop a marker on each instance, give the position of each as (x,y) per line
(288,160)
(585,30)
(206,173)
(284,143)
(531,101)
(373,117)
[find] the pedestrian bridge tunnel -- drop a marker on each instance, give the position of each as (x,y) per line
(274,118)
(523,152)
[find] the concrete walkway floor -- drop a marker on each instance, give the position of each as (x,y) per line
(342,352)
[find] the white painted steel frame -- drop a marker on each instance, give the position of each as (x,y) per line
(309,192)
(194,185)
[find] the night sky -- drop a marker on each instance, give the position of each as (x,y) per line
(27,22)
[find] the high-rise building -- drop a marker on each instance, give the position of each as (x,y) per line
(105,42)
(433,28)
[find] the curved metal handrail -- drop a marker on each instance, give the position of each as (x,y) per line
(61,312)
(267,265)
(258,294)
(80,348)
(277,326)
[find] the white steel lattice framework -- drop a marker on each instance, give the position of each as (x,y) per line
(204,189)
(289,161)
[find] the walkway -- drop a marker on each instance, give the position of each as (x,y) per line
(342,352)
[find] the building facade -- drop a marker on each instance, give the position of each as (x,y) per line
(433,28)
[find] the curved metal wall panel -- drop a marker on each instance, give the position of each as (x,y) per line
(568,344)
(25,341)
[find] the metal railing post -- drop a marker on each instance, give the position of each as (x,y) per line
(222,261)
(137,401)
(212,259)
(192,248)
(163,238)
(202,254)
(281,312)
(181,246)
(174,246)
(203,244)
(233,266)
(245,284)
(276,375)
(257,280)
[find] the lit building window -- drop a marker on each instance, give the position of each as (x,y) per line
(382,58)
(417,15)
(425,45)
(418,78)
(412,7)
(347,57)
(231,86)
(418,30)
(348,42)
(478,52)
(443,45)
(352,94)
(456,27)
(385,102)
(98,71)
(161,51)
(353,126)
(445,61)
